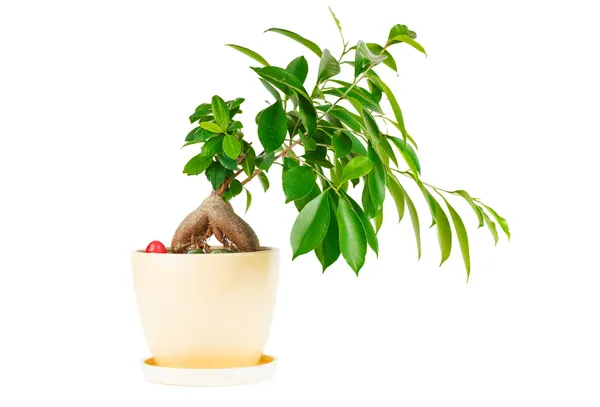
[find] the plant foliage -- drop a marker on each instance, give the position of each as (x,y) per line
(331,137)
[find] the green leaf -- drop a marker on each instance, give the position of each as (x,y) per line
(353,241)
(201,115)
(501,221)
(212,127)
(271,89)
(430,201)
(249,53)
(470,201)
(220,112)
(328,67)
(409,155)
(364,58)
(365,222)
(212,146)
(361,95)
(337,22)
(378,220)
(272,127)
(409,41)
(302,202)
(282,79)
(343,115)
(341,144)
(414,217)
(387,148)
(357,167)
(289,163)
(232,146)
(388,61)
(308,143)
(308,44)
(215,174)
(376,180)
(299,68)
(371,125)
(248,163)
(328,251)
(491,226)
(264,161)
(236,187)
(264,181)
(443,231)
(197,164)
(367,201)
(357,146)
(199,135)
(297,182)
(314,157)
(227,162)
(463,238)
(393,103)
(400,29)
(248,200)
(397,193)
(310,226)
(308,115)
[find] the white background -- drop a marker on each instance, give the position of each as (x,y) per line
(94,99)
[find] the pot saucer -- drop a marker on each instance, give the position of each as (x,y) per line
(264,370)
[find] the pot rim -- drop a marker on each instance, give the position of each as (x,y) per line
(263,249)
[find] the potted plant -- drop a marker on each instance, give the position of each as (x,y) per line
(208,308)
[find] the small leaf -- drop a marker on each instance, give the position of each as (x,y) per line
(367,201)
(328,67)
(389,61)
(308,44)
(443,231)
(215,174)
(370,233)
(430,201)
(400,29)
(227,162)
(501,221)
(289,163)
(271,89)
(364,58)
(362,96)
(220,112)
(378,220)
(376,180)
(198,134)
(463,238)
(371,125)
(264,161)
(343,115)
(394,104)
(470,201)
(308,143)
(248,200)
(212,146)
(249,53)
(232,146)
(213,127)
(308,115)
(341,144)
(272,127)
(337,22)
(248,163)
(283,80)
(301,203)
(328,251)
(235,187)
(409,155)
(356,168)
(409,41)
(310,226)
(353,241)
(299,68)
(491,226)
(297,182)
(357,146)
(414,217)
(197,164)
(264,181)
(387,148)
(397,193)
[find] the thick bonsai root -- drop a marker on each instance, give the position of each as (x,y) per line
(214,217)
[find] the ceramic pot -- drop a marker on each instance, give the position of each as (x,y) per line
(206,310)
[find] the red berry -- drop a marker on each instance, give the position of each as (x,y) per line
(156,247)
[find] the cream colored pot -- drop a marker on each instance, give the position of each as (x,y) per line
(206,310)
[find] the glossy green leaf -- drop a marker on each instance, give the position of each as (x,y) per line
(289,163)
(364,58)
(337,22)
(357,167)
(370,233)
(430,202)
(220,112)
(236,187)
(310,226)
(471,203)
(341,144)
(371,125)
(387,148)
(308,115)
(501,221)
(491,226)
(297,182)
(271,89)
(357,147)
(328,67)
(212,146)
(212,127)
(397,194)
(414,217)
(308,44)
(379,220)
(394,104)
(272,127)
(301,203)
(264,181)
(250,53)
(299,68)
(389,61)
(409,41)
(227,162)
(198,135)
(343,115)
(215,174)
(248,200)
(248,163)
(408,153)
(232,146)
(367,201)
(353,241)
(376,180)
(197,164)
(283,80)
(443,231)
(328,251)
(264,161)
(463,238)
(363,97)
(400,29)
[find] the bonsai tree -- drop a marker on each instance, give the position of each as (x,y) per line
(333,140)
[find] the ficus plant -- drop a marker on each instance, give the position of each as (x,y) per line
(340,152)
